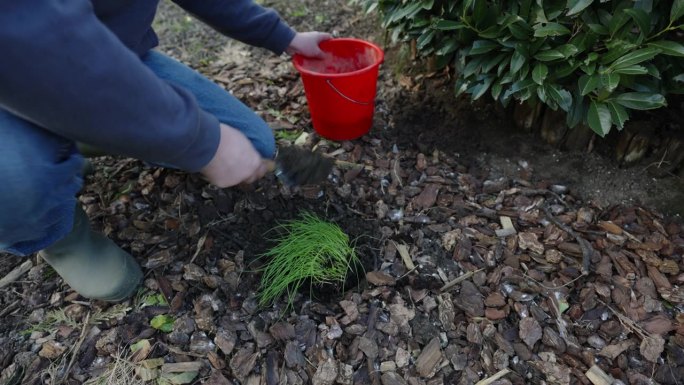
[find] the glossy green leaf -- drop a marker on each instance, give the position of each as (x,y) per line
(496,90)
(520,31)
(409,10)
(448,47)
(428,4)
(610,81)
(517,61)
(491,33)
(619,19)
(599,118)
(425,39)
(668,47)
(677,10)
(632,70)
(616,49)
(577,6)
(483,46)
(521,85)
(565,68)
(479,11)
(568,50)
(640,100)
(653,70)
(641,18)
(549,55)
(618,113)
(541,94)
(473,66)
(481,88)
(644,5)
(587,84)
(635,57)
(550,29)
(598,29)
(589,69)
(539,73)
(490,64)
(577,112)
(448,25)
(560,96)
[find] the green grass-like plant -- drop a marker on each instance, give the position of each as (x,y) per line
(307,249)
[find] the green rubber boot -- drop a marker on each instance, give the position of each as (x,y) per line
(92,264)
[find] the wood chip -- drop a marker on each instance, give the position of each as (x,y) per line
(405,256)
(243,362)
(369,347)
(326,373)
(429,358)
(282,331)
(652,348)
(610,227)
(529,241)
(530,331)
(351,311)
(52,350)
(507,227)
(598,377)
(379,278)
(494,378)
(217,378)
(225,340)
(427,197)
(392,378)
(181,367)
(16,273)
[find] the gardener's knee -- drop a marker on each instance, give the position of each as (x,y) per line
(40,176)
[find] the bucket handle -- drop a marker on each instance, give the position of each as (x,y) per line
(345,96)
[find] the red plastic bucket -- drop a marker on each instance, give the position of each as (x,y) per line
(340,88)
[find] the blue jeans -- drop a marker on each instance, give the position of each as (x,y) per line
(40,171)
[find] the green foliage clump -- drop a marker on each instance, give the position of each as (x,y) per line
(594,59)
(307,249)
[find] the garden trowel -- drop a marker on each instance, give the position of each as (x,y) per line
(296,166)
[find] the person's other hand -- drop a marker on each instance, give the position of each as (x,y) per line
(236,161)
(306,43)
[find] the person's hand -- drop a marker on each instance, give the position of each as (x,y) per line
(306,43)
(236,161)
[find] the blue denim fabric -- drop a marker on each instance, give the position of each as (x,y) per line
(40,171)
(214,100)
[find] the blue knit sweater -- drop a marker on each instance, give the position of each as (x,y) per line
(74,68)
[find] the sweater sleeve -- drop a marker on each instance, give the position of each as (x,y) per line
(63,70)
(243,20)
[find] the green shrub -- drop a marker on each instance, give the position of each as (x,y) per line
(595,60)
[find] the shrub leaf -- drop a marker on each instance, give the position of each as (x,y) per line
(599,118)
(669,47)
(550,29)
(640,100)
(576,6)
(539,73)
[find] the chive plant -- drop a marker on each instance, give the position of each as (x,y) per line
(308,250)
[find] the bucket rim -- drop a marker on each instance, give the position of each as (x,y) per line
(380,60)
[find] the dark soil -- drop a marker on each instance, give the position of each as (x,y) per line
(485,251)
